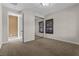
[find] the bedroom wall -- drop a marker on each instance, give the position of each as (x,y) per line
(0,25)
(29,23)
(5,11)
(4,24)
(66,25)
(29,26)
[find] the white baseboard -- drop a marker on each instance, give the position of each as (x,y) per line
(72,42)
(68,41)
(0,46)
(65,40)
(27,41)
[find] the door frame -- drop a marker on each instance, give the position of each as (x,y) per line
(14,19)
(13,14)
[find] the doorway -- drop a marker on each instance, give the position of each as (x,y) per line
(15,27)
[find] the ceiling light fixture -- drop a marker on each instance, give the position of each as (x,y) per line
(44,4)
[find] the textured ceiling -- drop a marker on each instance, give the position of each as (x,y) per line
(37,7)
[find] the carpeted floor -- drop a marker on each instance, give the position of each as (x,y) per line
(40,47)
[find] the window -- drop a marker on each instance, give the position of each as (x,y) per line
(49,26)
(41,27)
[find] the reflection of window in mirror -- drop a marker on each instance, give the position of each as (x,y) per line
(41,27)
(49,26)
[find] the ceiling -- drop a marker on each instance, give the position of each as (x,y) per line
(37,7)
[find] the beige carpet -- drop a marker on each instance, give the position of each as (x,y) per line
(40,47)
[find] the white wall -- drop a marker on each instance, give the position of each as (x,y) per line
(37,20)
(66,25)
(20,26)
(4,24)
(0,25)
(29,26)
(5,29)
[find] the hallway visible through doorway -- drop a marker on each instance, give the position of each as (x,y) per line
(14,27)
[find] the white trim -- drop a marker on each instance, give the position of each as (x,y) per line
(14,14)
(28,41)
(0,45)
(64,40)
(68,41)
(72,42)
(9,13)
(18,26)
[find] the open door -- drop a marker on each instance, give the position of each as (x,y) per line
(13,26)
